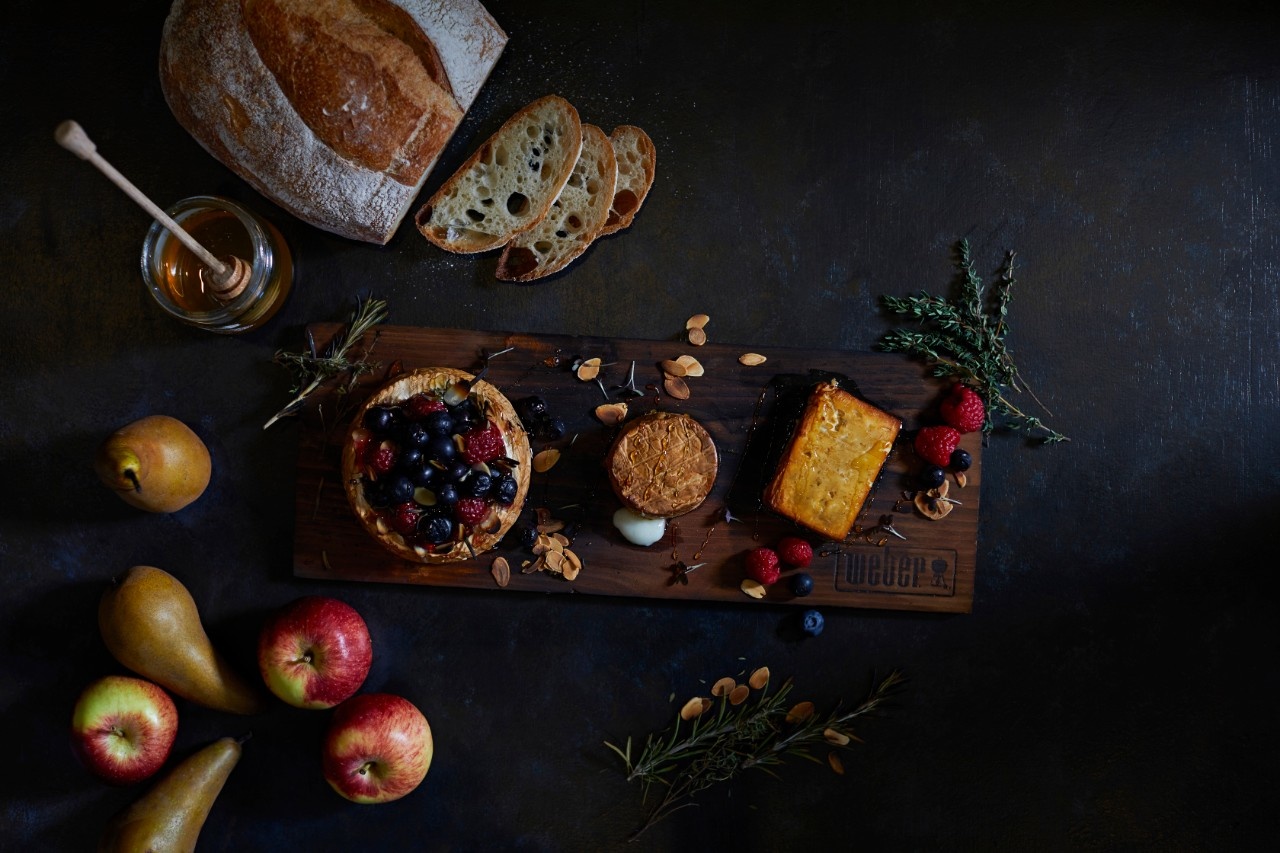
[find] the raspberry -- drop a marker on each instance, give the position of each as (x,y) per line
(419,406)
(471,511)
(762,565)
(963,409)
(384,458)
(935,444)
(483,444)
(404,518)
(795,552)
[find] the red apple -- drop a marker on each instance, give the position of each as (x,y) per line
(122,728)
(314,652)
(377,749)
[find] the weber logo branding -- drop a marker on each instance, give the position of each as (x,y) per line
(903,571)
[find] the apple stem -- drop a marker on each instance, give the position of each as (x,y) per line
(364,768)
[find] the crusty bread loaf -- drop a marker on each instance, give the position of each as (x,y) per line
(334,109)
(508,184)
(574,220)
(637,161)
(832,461)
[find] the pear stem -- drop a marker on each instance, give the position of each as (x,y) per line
(133,478)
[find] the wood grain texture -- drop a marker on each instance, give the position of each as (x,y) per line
(747,410)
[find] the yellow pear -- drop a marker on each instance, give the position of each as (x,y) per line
(156,463)
(150,623)
(169,817)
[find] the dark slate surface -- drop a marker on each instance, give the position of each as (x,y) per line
(1109,691)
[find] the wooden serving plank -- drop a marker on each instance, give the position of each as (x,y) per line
(747,410)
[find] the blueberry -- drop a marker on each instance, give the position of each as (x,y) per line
(440,424)
(478,484)
(424,474)
(811,622)
(801,584)
(506,490)
(447,494)
(441,448)
(416,435)
(410,458)
(436,529)
(465,421)
(553,429)
(400,489)
(961,460)
(378,419)
(528,536)
(531,408)
(932,477)
(457,471)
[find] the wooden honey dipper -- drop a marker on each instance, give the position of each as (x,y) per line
(226,279)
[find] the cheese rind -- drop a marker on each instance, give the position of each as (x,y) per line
(832,461)
(662,464)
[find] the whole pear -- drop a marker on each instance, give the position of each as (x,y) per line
(150,623)
(169,817)
(156,463)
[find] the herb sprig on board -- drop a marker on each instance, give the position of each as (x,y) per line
(311,369)
(736,732)
(963,336)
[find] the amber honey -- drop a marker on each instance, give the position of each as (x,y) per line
(176,276)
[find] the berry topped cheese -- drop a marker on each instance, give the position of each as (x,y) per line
(436,466)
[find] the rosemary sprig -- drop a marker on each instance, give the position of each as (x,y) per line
(728,736)
(312,369)
(964,337)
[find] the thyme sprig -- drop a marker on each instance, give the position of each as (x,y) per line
(733,734)
(963,336)
(312,369)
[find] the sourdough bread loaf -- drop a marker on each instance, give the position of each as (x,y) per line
(334,109)
(637,164)
(508,184)
(574,220)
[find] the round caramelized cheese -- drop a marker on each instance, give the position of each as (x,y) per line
(470,540)
(663,464)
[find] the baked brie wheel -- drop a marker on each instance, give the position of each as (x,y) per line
(662,465)
(436,465)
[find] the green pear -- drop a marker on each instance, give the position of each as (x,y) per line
(150,623)
(156,463)
(169,817)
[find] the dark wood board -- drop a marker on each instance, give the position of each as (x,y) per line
(747,410)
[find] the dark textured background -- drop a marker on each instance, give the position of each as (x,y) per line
(1112,687)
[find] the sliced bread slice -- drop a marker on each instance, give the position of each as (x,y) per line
(637,159)
(574,220)
(510,181)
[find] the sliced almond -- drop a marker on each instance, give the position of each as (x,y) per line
(501,571)
(759,678)
(672,368)
(836,764)
(546,460)
(676,388)
(562,539)
(751,359)
(530,566)
(723,686)
(962,479)
(550,526)
(753,588)
(611,414)
(572,565)
(800,712)
(697,337)
(697,321)
(694,708)
(554,561)
(932,504)
(692,367)
(739,694)
(589,369)
(836,737)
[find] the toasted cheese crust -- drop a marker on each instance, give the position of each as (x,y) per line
(663,464)
(832,461)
